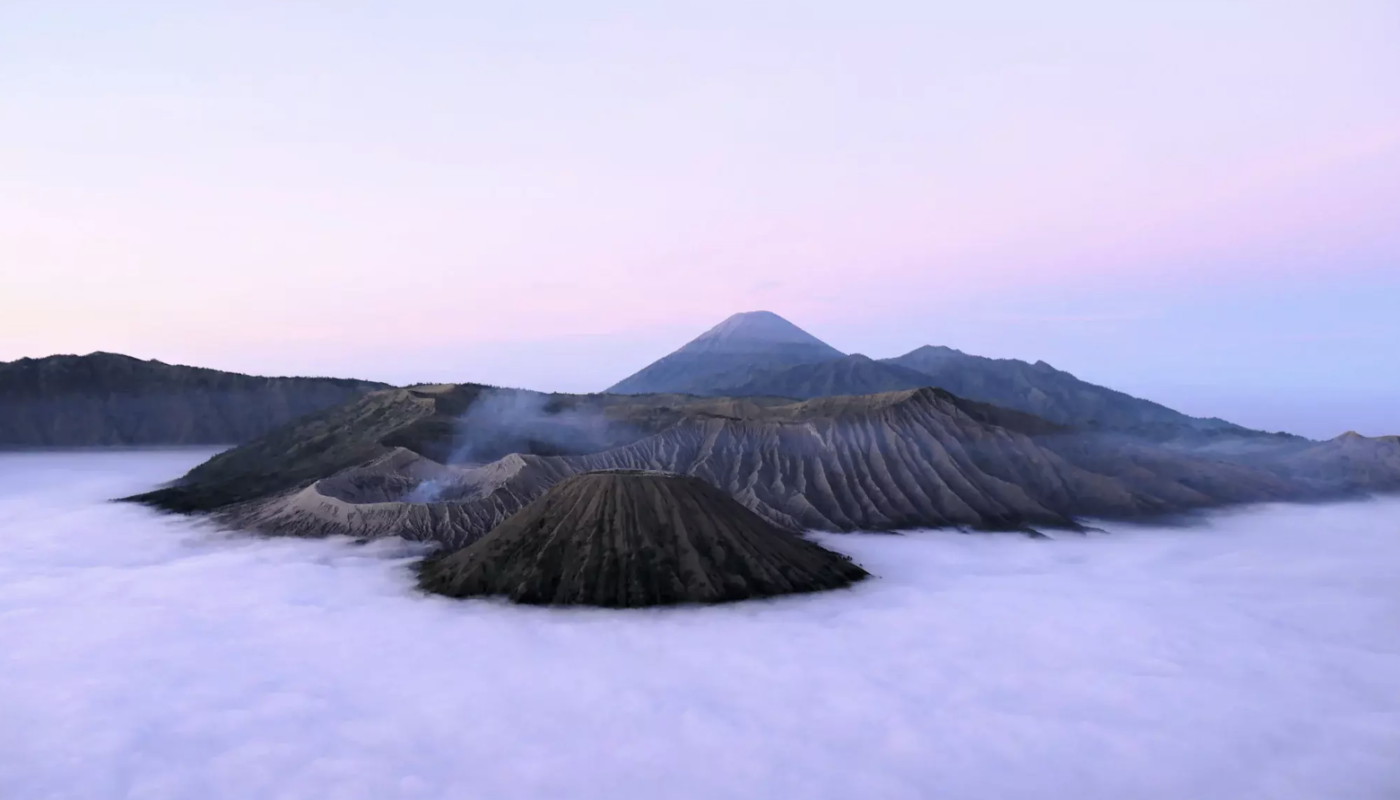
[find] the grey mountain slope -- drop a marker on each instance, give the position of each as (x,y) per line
(630,539)
(434,422)
(728,354)
(920,458)
(1058,396)
(849,375)
(109,399)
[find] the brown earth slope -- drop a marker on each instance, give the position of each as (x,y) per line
(630,539)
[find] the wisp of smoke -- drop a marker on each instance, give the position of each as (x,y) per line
(1255,656)
(501,422)
(429,491)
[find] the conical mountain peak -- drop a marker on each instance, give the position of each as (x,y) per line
(729,354)
(750,329)
(629,538)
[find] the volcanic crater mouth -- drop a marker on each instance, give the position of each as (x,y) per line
(419,481)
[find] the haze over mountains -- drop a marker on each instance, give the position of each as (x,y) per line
(794,430)
(761,354)
(391,463)
(107,399)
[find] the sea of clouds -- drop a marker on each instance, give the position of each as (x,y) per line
(147,656)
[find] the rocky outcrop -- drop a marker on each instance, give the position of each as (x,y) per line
(631,539)
(105,399)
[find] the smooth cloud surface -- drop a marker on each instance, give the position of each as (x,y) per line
(149,657)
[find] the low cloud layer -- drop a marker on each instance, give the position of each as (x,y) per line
(149,657)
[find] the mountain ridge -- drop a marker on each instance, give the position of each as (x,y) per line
(889,461)
(105,399)
(1036,388)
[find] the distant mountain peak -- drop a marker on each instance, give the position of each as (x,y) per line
(729,354)
(754,328)
(929,350)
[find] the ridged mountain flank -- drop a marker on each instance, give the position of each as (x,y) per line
(633,538)
(385,465)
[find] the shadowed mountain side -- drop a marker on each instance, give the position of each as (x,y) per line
(909,459)
(1058,396)
(294,455)
(105,399)
(632,539)
(849,375)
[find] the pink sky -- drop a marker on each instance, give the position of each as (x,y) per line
(553,195)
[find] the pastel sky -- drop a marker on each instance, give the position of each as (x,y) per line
(1198,202)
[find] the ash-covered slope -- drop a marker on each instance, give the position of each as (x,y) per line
(449,423)
(632,539)
(911,459)
(728,354)
(108,399)
(352,434)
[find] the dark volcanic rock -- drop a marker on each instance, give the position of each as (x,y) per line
(634,538)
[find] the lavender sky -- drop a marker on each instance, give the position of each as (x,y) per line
(1198,202)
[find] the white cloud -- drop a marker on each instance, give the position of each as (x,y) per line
(147,657)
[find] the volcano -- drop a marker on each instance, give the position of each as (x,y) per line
(732,352)
(632,538)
